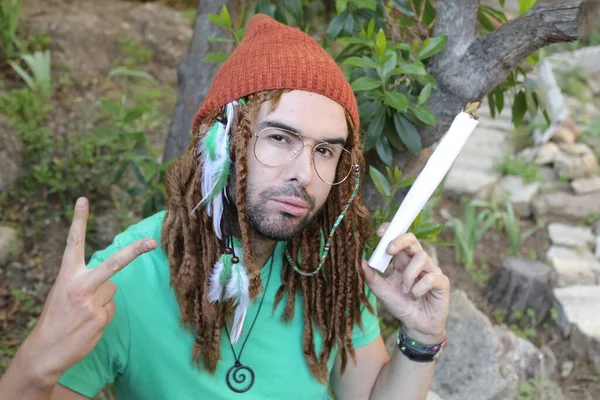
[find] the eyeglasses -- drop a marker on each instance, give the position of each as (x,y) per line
(274,147)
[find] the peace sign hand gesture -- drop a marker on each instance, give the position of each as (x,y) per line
(80,304)
(417,292)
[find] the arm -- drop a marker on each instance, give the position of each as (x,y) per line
(376,376)
(78,309)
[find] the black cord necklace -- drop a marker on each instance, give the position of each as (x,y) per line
(238,371)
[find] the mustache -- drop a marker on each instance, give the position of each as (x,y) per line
(290,191)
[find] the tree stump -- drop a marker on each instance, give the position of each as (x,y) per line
(519,285)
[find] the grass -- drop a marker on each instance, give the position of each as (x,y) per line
(516,166)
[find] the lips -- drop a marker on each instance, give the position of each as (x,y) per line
(291,205)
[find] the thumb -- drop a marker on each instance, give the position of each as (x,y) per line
(375,282)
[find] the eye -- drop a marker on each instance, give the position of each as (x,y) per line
(325,152)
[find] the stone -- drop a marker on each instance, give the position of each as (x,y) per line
(571,236)
(11,154)
(528,154)
(572,266)
(579,320)
(486,365)
(520,193)
(586,185)
(579,306)
(433,396)
(549,363)
(470,182)
(566,132)
(562,206)
(598,247)
(547,154)
(10,244)
(566,369)
(575,161)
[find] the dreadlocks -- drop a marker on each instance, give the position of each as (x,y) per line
(332,299)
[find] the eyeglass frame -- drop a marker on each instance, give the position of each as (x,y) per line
(312,154)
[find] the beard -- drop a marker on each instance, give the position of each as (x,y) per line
(278,225)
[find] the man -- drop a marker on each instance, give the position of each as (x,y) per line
(257,286)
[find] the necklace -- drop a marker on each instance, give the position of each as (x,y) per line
(238,371)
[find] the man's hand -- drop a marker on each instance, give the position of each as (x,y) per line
(79,306)
(417,292)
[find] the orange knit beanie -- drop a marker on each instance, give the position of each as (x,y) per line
(275,56)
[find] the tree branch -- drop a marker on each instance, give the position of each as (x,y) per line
(457,20)
(467,77)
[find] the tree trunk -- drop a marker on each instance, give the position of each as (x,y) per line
(195,76)
(521,285)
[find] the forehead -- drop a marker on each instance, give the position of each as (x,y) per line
(309,113)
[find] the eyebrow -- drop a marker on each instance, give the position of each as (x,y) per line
(280,125)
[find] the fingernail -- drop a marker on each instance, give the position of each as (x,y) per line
(148,245)
(392,248)
(404,288)
(80,203)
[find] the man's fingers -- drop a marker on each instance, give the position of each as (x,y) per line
(75,249)
(407,242)
(375,282)
(435,283)
(420,263)
(117,262)
(105,293)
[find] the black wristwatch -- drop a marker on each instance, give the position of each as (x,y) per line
(419,352)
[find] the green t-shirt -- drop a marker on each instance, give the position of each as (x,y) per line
(147,353)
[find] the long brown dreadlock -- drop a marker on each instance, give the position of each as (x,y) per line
(332,299)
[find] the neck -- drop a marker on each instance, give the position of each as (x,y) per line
(261,247)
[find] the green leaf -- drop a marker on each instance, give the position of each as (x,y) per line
(425,115)
(492,104)
(396,100)
(361,62)
(365,83)
(133,114)
(409,69)
(119,173)
(375,128)
(380,43)
(225,17)
(336,25)
(427,230)
(403,7)
(371,29)
(111,107)
(384,150)
(519,107)
(368,4)
(484,20)
(280,14)
(432,46)
(502,3)
(390,63)
(424,95)
(525,5)
(134,73)
(499,100)
(340,6)
(380,181)
(217,20)
(408,133)
(216,57)
(395,140)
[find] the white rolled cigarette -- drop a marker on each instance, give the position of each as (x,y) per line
(428,180)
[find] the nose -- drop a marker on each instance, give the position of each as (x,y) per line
(301,168)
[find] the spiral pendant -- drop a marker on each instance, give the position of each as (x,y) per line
(239,373)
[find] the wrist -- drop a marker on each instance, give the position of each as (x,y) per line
(425,338)
(33,369)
